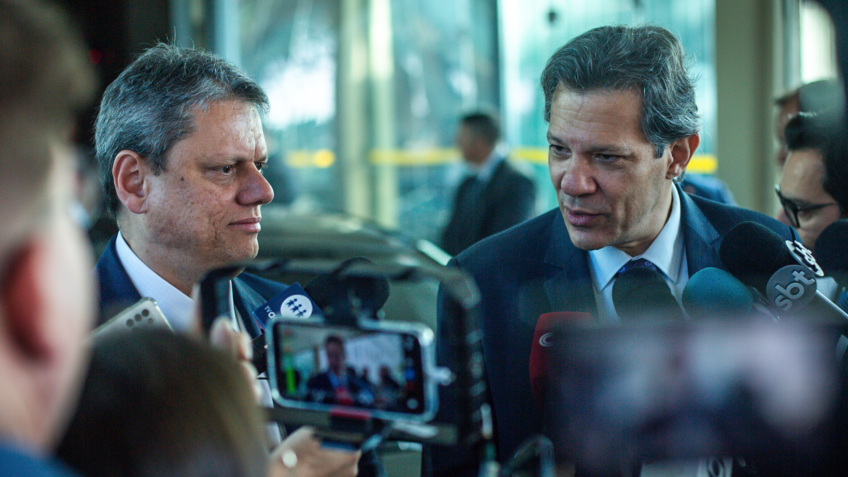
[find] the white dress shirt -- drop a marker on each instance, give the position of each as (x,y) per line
(666,252)
(178,309)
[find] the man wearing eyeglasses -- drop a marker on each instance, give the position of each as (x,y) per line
(813,188)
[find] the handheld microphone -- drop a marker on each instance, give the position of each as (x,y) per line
(832,251)
(641,293)
(784,271)
(714,293)
(542,340)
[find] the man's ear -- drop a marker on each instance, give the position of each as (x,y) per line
(24,302)
(129,174)
(682,151)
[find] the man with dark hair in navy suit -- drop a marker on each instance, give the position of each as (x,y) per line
(623,125)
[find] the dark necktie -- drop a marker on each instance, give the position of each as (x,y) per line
(639,262)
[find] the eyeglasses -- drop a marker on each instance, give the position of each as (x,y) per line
(791,208)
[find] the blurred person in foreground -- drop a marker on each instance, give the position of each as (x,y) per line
(494,195)
(623,125)
(157,403)
(47,299)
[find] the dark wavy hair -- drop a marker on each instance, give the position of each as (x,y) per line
(824,132)
(647,59)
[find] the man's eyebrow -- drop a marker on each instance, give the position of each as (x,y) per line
(610,149)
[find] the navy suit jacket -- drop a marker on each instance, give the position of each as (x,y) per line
(507,199)
(117,291)
(532,269)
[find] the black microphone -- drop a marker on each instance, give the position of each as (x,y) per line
(832,251)
(641,293)
(340,295)
(712,293)
(783,271)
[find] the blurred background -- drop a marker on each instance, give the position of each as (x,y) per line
(365,94)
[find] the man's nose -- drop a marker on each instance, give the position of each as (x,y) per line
(578,178)
(256,190)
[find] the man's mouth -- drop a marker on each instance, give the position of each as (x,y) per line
(580,218)
(250,224)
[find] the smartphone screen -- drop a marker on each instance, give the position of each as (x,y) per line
(379,371)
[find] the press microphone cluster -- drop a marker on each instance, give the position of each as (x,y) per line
(334,293)
(832,251)
(783,272)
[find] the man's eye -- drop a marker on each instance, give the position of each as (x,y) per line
(558,150)
(607,157)
(226,169)
(260,165)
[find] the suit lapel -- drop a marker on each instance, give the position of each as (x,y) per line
(116,289)
(570,289)
(700,238)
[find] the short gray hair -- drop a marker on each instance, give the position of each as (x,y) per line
(645,59)
(151,105)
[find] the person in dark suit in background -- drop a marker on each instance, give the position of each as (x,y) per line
(494,196)
(623,125)
(338,385)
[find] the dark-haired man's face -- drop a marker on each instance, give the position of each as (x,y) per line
(802,184)
(611,187)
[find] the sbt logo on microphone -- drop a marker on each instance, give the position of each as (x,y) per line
(793,286)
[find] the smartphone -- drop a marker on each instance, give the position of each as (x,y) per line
(380,369)
(144,313)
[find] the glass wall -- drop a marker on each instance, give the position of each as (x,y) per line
(365,94)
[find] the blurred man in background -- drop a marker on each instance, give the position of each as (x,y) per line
(495,195)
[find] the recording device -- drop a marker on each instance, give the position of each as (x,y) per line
(543,340)
(391,392)
(782,271)
(382,369)
(144,313)
(770,392)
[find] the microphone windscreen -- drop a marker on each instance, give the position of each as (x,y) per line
(542,341)
(832,250)
(641,293)
(714,293)
(752,253)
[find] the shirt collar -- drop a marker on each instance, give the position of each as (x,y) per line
(666,251)
(175,305)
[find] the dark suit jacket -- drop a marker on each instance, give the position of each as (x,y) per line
(534,269)
(117,291)
(507,199)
